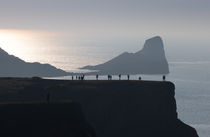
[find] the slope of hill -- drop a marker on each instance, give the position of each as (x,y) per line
(11,66)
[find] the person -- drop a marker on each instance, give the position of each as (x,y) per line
(164,77)
(120,77)
(72,77)
(48,97)
(139,78)
(97,77)
(128,77)
(109,77)
(83,77)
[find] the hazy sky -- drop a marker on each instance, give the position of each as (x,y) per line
(109,22)
(108,17)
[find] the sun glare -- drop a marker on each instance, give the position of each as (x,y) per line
(24,43)
(13,41)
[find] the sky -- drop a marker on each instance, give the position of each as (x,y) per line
(113,23)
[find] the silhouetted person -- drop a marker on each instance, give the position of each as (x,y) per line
(109,77)
(48,97)
(120,77)
(83,77)
(164,77)
(128,77)
(97,77)
(139,78)
(72,77)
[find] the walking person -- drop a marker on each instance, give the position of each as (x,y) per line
(128,77)
(97,77)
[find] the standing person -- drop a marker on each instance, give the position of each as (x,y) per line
(128,77)
(139,78)
(164,77)
(72,77)
(97,77)
(120,77)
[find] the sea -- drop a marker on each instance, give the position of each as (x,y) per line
(189,73)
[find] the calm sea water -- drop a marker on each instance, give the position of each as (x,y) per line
(191,77)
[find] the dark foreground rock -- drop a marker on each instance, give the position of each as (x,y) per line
(43,120)
(113,108)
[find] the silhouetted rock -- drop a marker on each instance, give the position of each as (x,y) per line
(41,119)
(114,108)
(150,60)
(12,66)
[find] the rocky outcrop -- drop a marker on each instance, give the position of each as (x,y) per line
(36,119)
(113,108)
(150,60)
(12,66)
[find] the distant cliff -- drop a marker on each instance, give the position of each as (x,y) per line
(11,66)
(113,108)
(150,60)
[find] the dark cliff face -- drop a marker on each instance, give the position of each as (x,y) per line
(12,66)
(113,108)
(36,119)
(150,60)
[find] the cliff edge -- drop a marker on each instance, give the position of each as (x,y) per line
(114,108)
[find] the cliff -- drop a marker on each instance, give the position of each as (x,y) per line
(40,119)
(113,108)
(12,66)
(150,60)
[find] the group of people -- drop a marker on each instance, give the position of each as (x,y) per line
(82,77)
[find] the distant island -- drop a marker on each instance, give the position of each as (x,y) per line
(12,66)
(150,60)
